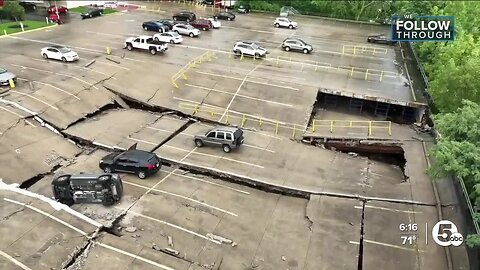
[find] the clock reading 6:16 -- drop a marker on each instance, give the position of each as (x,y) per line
(407,227)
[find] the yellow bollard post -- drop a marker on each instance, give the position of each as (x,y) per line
(260,122)
(381,76)
(369,128)
(277,60)
(108,51)
(196,109)
(12,83)
(331,126)
(350,124)
(351,72)
(313,126)
(316,66)
(241,57)
(293,135)
(5,32)
(226,119)
(175,84)
(184,76)
(366,75)
(212,113)
(343,49)
(354,48)
(243,120)
(374,50)
(276,129)
(389,128)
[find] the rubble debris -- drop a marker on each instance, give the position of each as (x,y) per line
(131,229)
(353,154)
(234,244)
(16,254)
(172,251)
(135,235)
(155,247)
(170,241)
(283,258)
(219,238)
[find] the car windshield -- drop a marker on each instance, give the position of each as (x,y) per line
(2,70)
(149,40)
(175,34)
(255,46)
(64,50)
(190,27)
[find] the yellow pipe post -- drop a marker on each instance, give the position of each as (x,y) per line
(343,49)
(243,120)
(369,128)
(196,109)
(351,72)
(354,49)
(212,113)
(331,126)
(366,75)
(241,57)
(276,129)
(260,122)
(278,60)
(381,75)
(226,119)
(374,50)
(108,51)
(350,123)
(313,126)
(12,83)
(316,66)
(389,128)
(293,131)
(184,76)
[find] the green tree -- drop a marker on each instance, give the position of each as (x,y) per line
(14,9)
(458,151)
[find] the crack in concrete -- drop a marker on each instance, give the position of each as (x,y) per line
(13,213)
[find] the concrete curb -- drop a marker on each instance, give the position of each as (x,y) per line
(32,30)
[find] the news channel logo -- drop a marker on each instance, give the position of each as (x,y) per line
(445,233)
(423,28)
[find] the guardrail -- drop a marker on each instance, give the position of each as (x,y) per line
(182,73)
(277,126)
(355,49)
(370,125)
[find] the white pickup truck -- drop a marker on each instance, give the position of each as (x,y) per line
(146,43)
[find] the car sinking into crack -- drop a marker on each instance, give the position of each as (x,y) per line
(88,188)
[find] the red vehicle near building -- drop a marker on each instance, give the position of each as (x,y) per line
(54,17)
(57,9)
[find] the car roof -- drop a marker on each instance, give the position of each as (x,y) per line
(229,129)
(139,154)
(144,36)
(56,46)
(296,39)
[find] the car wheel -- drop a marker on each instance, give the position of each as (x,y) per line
(198,143)
(171,41)
(153,51)
(204,29)
(191,34)
(145,28)
(188,20)
(257,56)
(91,16)
(226,148)
(129,47)
(160,30)
(305,51)
(287,49)
(108,170)
(277,25)
(228,19)
(142,175)
(238,53)
(45,56)
(290,26)
(64,59)
(156,39)
(101,13)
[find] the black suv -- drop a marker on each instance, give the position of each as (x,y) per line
(186,16)
(87,188)
(168,23)
(141,163)
(380,39)
(94,12)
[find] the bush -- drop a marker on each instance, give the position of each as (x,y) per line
(12,10)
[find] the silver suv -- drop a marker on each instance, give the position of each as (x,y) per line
(249,48)
(228,138)
(295,44)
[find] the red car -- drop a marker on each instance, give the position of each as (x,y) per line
(202,24)
(60,9)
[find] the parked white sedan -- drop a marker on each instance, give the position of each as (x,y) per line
(59,53)
(186,29)
(170,37)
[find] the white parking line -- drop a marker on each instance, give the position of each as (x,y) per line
(112,65)
(208,182)
(84,68)
(134,256)
(35,98)
(15,261)
(57,73)
(392,246)
(174,226)
(51,43)
(190,152)
(239,79)
(220,157)
(181,196)
(52,86)
(388,209)
(16,114)
(243,96)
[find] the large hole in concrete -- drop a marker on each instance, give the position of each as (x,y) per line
(360,109)
(383,152)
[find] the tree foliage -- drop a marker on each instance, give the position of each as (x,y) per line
(14,10)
